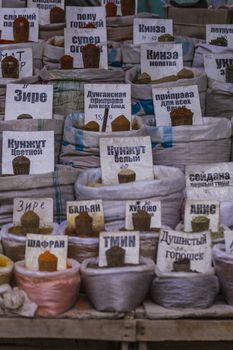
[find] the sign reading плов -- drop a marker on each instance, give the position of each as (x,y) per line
(216,64)
(75,40)
(93,207)
(174,246)
(209,209)
(166,99)
(161,60)
(24,56)
(228,237)
(151,207)
(115,97)
(118,3)
(125,159)
(79,17)
(41,206)
(129,241)
(7,17)
(36,100)
(36,245)
(221,32)
(27,152)
(147,30)
(44,8)
(210,181)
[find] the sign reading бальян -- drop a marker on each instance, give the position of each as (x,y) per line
(44,8)
(36,100)
(36,146)
(24,56)
(166,99)
(130,241)
(216,31)
(116,97)
(77,17)
(174,245)
(147,30)
(38,244)
(121,153)
(216,64)
(161,60)
(7,17)
(93,207)
(41,206)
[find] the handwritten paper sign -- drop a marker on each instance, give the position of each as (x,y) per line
(161,60)
(128,241)
(121,153)
(148,30)
(41,206)
(78,17)
(36,100)
(36,146)
(24,56)
(75,40)
(38,244)
(174,245)
(223,31)
(116,97)
(7,17)
(93,207)
(44,8)
(210,209)
(216,64)
(210,181)
(166,99)
(151,207)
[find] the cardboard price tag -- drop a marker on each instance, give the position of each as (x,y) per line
(161,60)
(130,241)
(93,207)
(151,207)
(38,244)
(116,97)
(221,32)
(210,182)
(35,100)
(41,206)
(24,56)
(7,17)
(215,65)
(126,156)
(166,99)
(75,40)
(78,17)
(209,209)
(148,30)
(44,8)
(36,147)
(174,245)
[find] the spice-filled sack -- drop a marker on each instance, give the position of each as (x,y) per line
(80,148)
(69,85)
(118,289)
(53,292)
(219,99)
(167,187)
(47,31)
(58,185)
(141,94)
(190,144)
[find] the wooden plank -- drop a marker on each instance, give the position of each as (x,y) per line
(113,330)
(184,330)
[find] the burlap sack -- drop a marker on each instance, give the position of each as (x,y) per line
(80,148)
(167,187)
(55,124)
(118,289)
(47,31)
(186,145)
(219,99)
(184,290)
(141,94)
(58,185)
(202,49)
(69,85)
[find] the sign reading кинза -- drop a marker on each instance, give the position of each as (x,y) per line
(147,30)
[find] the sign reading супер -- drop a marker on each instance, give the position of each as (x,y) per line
(147,30)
